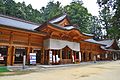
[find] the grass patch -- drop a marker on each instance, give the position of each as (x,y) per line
(5,72)
(3,69)
(14,73)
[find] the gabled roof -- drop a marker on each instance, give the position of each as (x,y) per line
(58,19)
(106,43)
(93,41)
(68,28)
(17,23)
(55,23)
(87,34)
(109,45)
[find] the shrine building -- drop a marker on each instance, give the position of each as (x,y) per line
(56,41)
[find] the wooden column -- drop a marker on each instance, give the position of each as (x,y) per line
(10,50)
(28,55)
(13,55)
(92,56)
(57,53)
(42,55)
(9,55)
(81,56)
(87,55)
(48,55)
(60,55)
(65,53)
(55,56)
(74,56)
(28,49)
(71,55)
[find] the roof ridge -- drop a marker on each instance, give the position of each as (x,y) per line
(18,19)
(55,17)
(63,16)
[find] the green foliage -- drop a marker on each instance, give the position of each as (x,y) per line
(76,12)
(19,10)
(79,15)
(110,17)
(51,10)
(96,28)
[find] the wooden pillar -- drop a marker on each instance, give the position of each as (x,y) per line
(9,55)
(60,55)
(28,55)
(13,55)
(75,56)
(57,58)
(10,50)
(92,56)
(42,55)
(66,54)
(48,55)
(87,56)
(71,56)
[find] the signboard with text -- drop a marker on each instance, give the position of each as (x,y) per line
(32,58)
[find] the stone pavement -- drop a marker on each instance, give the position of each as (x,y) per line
(43,67)
(102,70)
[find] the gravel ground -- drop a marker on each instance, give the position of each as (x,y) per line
(106,71)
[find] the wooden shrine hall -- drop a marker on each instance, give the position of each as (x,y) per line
(56,41)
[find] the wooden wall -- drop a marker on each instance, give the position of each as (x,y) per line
(13,38)
(89,50)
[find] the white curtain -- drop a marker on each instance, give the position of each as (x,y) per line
(59,44)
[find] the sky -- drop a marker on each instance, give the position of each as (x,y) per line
(89,4)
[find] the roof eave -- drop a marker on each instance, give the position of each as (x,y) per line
(23,30)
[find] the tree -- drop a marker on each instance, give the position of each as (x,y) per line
(109,13)
(79,15)
(51,10)
(19,10)
(96,28)
(2,7)
(76,12)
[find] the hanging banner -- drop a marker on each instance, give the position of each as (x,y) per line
(50,56)
(32,58)
(57,59)
(106,55)
(73,58)
(53,58)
